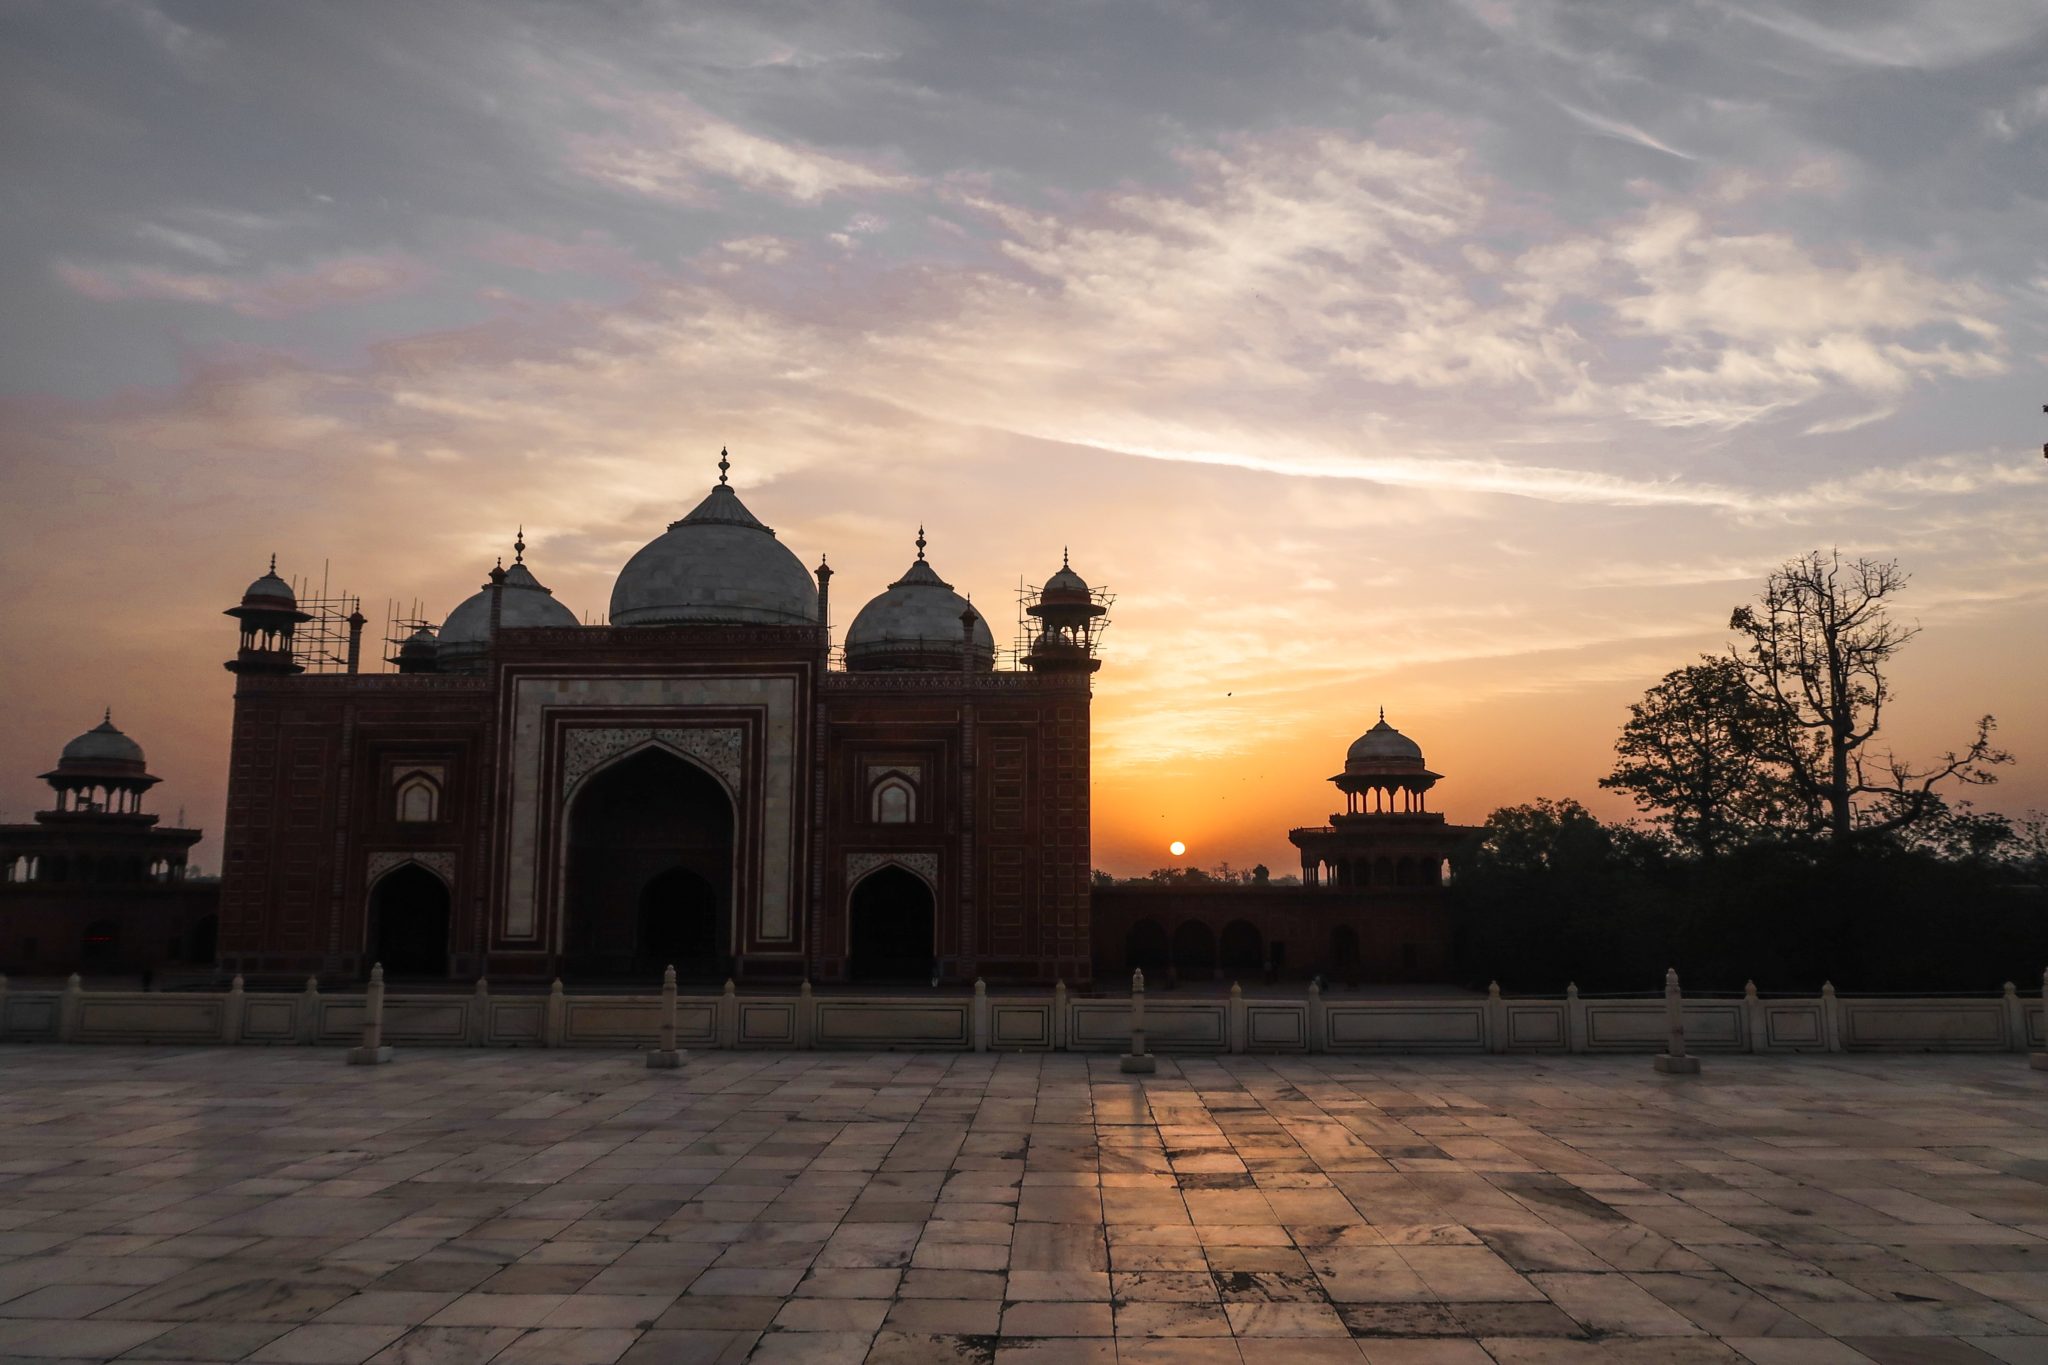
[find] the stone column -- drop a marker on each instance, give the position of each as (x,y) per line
(555,1017)
(1673,1061)
(1138,1060)
(68,1006)
(372,1052)
(666,1056)
(232,1010)
(2036,1060)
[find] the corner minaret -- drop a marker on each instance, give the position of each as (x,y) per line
(269,613)
(1069,619)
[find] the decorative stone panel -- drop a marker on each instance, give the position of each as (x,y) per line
(925,865)
(441,865)
(587,747)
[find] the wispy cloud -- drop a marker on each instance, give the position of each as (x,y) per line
(671,149)
(278,293)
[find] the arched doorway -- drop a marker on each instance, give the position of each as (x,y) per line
(1194,951)
(889,927)
(409,922)
(1243,949)
(649,872)
(1145,947)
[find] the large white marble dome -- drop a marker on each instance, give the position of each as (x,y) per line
(717,565)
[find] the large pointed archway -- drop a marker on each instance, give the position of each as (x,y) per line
(409,912)
(650,872)
(890,927)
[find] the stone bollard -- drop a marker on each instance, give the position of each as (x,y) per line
(69,1005)
(2039,1060)
(372,1052)
(666,1055)
(556,1017)
(1239,1021)
(308,1023)
(1138,1061)
(980,1022)
(480,1013)
(1673,1061)
(232,1011)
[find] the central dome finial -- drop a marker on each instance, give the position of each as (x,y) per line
(723,464)
(519,545)
(920,541)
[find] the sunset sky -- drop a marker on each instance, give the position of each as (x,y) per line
(1471,359)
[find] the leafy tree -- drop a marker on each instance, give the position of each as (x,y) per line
(1698,753)
(1813,654)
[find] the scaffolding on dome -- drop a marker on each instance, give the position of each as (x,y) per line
(400,626)
(322,643)
(1030,628)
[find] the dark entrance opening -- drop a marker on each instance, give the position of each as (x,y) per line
(1145,947)
(890,921)
(101,941)
(1242,947)
(650,872)
(202,940)
(1194,951)
(678,922)
(409,922)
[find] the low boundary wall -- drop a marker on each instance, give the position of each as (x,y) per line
(1057,1020)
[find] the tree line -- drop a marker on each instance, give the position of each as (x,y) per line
(1778,839)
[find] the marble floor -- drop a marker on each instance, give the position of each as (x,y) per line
(274,1205)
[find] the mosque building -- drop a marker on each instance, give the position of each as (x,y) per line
(701,781)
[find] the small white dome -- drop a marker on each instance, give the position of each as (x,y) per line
(718,565)
(915,623)
(102,744)
(1383,744)
(467,631)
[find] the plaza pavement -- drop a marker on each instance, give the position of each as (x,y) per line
(274,1205)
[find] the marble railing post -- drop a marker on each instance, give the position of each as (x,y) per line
(806,1017)
(1574,1019)
(232,1010)
(1496,1019)
(1830,1017)
(3,1004)
(1238,1024)
(666,1055)
(306,1026)
(556,1017)
(2037,1060)
(68,1006)
(1138,1061)
(1312,1026)
(729,1015)
(980,1022)
(480,1013)
(372,1052)
(2015,1020)
(1753,1024)
(1673,1061)
(1059,1016)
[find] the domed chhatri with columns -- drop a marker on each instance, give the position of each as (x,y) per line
(703,781)
(95,884)
(1386,836)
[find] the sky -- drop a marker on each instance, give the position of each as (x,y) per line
(1466,358)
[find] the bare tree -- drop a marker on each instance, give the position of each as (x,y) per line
(1814,652)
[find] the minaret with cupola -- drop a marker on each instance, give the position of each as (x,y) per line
(269,614)
(1069,617)
(1386,837)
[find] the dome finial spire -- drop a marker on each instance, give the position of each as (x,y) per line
(1063,558)
(519,545)
(273,561)
(108,717)
(1383,715)
(723,464)
(920,540)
